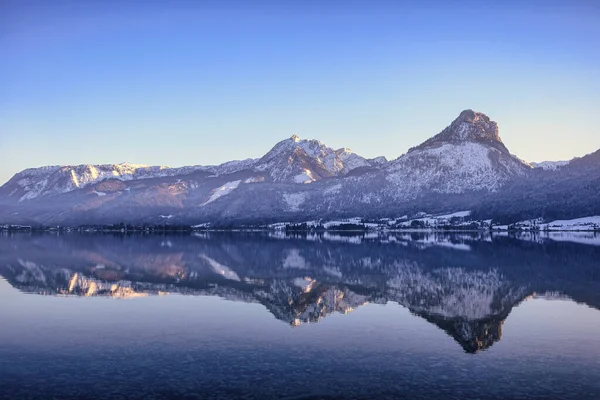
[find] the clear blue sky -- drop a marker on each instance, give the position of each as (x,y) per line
(178,83)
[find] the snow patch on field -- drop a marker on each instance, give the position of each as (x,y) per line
(433,221)
(222,191)
(459,214)
(353,220)
(591,223)
(578,224)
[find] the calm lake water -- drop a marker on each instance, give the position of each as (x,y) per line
(270,316)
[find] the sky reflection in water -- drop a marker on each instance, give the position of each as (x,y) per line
(249,316)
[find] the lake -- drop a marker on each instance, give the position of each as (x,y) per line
(306,316)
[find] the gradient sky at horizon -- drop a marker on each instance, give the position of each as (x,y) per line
(182,83)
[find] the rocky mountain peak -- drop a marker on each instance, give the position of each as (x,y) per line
(467,156)
(473,125)
(470,126)
(307,160)
(381,160)
(292,145)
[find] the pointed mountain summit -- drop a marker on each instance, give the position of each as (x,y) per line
(467,156)
(469,126)
(304,161)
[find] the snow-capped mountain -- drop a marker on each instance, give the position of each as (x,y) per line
(466,156)
(294,160)
(35,182)
(304,161)
(465,167)
(54,180)
(468,126)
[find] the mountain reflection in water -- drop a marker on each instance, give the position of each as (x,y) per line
(466,284)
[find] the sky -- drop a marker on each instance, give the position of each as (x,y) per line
(201,82)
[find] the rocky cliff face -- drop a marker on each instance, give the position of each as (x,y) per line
(468,126)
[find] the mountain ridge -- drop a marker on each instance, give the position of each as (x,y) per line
(457,169)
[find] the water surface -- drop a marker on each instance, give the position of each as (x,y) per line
(315,316)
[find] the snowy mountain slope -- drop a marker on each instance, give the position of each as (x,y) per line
(304,161)
(549,165)
(465,167)
(35,182)
(56,180)
(230,167)
(378,160)
(292,160)
(568,192)
(453,168)
(466,156)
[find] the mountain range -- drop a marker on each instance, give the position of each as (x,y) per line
(464,167)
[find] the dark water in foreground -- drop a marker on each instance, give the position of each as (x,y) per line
(260,317)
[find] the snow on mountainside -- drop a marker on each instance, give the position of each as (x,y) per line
(230,167)
(466,156)
(304,161)
(466,166)
(35,182)
(222,191)
(378,160)
(550,165)
(577,224)
(292,160)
